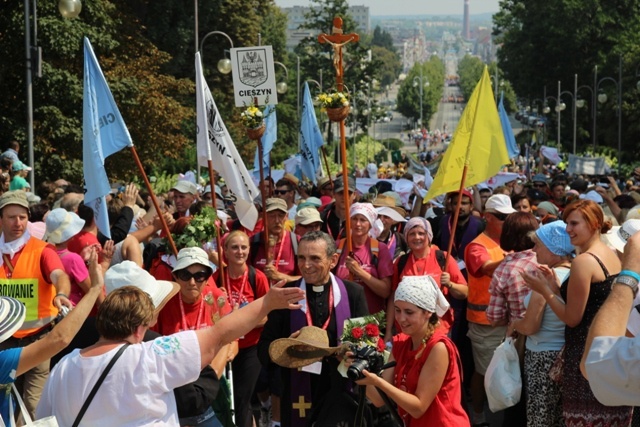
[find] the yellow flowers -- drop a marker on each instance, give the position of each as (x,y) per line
(252,117)
(333,100)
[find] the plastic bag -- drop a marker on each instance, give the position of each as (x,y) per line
(502,381)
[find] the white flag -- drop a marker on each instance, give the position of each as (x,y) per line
(551,154)
(214,142)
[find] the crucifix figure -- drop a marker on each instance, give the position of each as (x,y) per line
(302,407)
(337,40)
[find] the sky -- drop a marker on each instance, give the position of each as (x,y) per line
(412,7)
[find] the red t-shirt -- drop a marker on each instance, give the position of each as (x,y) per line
(49,261)
(81,240)
(241,293)
(196,316)
(429,265)
(475,256)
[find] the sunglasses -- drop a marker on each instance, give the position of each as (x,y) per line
(281,192)
(539,185)
(499,216)
(198,276)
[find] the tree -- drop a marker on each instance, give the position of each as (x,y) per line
(383,39)
(547,41)
(409,92)
(470,70)
(148,100)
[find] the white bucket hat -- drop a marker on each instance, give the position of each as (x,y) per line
(190,256)
(62,225)
(128,273)
(12,314)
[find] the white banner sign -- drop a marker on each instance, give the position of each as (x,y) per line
(586,165)
(254,79)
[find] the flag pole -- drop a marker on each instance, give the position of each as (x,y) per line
(337,40)
(263,193)
(154,200)
(326,165)
(213,205)
(456,212)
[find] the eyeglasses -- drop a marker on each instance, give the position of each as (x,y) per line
(539,185)
(198,276)
(281,192)
(499,216)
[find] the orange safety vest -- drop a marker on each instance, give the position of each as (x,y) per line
(29,287)
(478,299)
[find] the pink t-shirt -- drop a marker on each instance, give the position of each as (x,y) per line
(75,267)
(384,269)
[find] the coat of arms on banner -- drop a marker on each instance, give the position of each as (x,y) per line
(253,69)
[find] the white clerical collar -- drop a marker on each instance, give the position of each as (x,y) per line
(336,293)
(317,289)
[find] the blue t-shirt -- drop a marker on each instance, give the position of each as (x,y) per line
(8,365)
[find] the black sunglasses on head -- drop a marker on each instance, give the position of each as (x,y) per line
(198,276)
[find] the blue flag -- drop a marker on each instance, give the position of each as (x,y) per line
(507,131)
(268,139)
(310,137)
(103,133)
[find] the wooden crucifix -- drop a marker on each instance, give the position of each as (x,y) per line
(337,40)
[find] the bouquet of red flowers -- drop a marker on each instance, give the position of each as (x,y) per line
(365,331)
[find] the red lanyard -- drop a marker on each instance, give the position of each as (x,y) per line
(230,294)
(282,243)
(414,267)
(184,319)
(326,323)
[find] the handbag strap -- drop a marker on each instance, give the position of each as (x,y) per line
(95,388)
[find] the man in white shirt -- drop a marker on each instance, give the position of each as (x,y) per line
(611,361)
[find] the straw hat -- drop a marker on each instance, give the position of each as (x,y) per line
(312,345)
(12,314)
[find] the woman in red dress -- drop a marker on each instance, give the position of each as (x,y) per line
(426,381)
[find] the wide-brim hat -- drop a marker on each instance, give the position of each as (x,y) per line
(128,273)
(62,226)
(619,235)
(312,345)
(12,314)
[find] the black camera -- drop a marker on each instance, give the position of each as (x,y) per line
(365,358)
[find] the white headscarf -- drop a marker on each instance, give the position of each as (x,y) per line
(423,292)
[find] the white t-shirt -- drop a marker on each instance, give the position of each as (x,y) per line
(137,391)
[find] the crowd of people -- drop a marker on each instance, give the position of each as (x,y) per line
(219,332)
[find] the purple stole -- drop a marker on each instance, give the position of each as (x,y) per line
(301,381)
(471,232)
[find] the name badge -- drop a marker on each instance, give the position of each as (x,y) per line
(461,264)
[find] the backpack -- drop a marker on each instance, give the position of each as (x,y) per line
(374,249)
(441,258)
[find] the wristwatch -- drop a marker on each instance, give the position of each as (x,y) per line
(627,281)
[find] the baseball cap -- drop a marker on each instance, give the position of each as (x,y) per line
(500,203)
(275,204)
(338,184)
(307,216)
(17,197)
(19,166)
(185,187)
(539,177)
(190,256)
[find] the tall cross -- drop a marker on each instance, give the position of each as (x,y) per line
(337,39)
(302,407)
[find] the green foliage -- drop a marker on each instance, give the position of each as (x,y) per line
(383,39)
(201,229)
(470,70)
(409,93)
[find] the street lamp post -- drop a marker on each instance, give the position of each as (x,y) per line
(33,55)
(422,81)
(224,64)
(281,87)
(602,98)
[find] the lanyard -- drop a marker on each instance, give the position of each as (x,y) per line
(326,323)
(282,243)
(415,269)
(234,303)
(184,319)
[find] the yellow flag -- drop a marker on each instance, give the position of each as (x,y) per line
(478,141)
